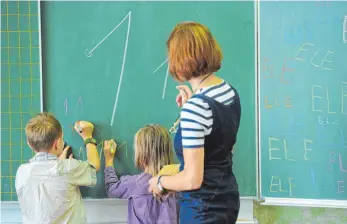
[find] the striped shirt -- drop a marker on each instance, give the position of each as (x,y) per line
(196,115)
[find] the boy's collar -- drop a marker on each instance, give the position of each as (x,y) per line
(43,156)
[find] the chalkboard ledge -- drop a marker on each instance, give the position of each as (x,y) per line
(104,211)
(299,202)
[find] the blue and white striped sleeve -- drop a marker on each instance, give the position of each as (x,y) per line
(196,123)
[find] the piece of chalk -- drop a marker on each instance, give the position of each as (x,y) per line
(79,129)
(112,148)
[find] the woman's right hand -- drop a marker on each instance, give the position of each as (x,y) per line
(110,147)
(184,94)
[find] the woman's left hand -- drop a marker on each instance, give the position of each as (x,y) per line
(153,188)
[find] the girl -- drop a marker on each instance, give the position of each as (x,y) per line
(152,146)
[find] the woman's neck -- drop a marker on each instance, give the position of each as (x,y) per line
(198,82)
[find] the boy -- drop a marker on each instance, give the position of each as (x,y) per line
(48,186)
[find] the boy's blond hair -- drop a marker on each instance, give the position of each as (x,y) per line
(153,149)
(42,130)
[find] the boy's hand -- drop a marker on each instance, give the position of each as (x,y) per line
(84,129)
(110,147)
(64,153)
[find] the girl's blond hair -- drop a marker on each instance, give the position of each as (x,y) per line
(153,149)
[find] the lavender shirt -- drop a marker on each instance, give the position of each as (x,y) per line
(143,208)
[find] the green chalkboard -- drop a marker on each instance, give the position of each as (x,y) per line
(105,62)
(20,87)
(303,95)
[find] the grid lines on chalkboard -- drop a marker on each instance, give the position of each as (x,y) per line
(20,86)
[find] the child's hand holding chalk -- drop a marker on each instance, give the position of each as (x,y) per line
(113,145)
(110,148)
(84,129)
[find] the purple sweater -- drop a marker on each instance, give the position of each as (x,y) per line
(143,208)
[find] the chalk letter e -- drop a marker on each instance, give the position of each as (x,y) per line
(272,149)
(313,96)
(302,49)
(340,186)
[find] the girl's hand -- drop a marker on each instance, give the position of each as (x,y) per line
(110,148)
(84,129)
(184,94)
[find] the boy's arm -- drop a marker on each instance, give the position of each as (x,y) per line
(115,187)
(83,173)
(93,156)
(80,173)
(85,130)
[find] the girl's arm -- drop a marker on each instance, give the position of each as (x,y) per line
(115,187)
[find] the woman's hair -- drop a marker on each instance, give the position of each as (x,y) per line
(192,51)
(153,148)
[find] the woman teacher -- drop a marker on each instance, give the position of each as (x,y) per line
(206,132)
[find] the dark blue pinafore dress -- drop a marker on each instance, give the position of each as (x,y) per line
(218,200)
